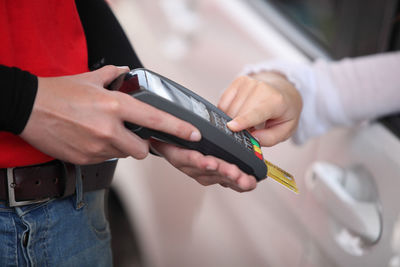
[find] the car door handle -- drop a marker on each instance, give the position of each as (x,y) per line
(350,196)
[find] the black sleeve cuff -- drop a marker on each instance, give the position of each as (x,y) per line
(105,38)
(17,96)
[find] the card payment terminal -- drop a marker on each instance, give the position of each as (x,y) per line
(238,148)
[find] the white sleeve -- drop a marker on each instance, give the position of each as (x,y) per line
(340,93)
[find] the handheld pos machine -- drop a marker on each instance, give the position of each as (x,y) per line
(239,148)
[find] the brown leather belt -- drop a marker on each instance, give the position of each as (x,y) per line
(56,179)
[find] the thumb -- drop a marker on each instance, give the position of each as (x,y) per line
(109,73)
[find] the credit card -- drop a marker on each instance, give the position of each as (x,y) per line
(281,176)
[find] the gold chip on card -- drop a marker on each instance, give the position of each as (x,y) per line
(281,176)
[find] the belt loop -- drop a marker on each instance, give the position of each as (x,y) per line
(78,188)
(69,178)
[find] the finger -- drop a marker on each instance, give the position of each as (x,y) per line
(242,184)
(228,96)
(223,184)
(190,162)
(274,135)
(196,167)
(236,188)
(159,147)
(178,157)
(255,110)
(182,158)
(213,177)
(230,171)
(240,98)
(237,179)
(231,186)
(208,177)
(251,114)
(140,113)
(247,182)
(82,157)
(248,119)
(105,75)
(131,144)
(112,152)
(202,177)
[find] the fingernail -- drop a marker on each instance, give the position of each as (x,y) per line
(233,124)
(195,136)
(123,67)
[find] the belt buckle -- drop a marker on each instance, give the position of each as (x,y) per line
(11,192)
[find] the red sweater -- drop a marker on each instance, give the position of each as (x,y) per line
(46,38)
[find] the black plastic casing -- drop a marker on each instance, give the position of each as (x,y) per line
(214,141)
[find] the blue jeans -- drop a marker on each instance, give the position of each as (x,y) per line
(63,232)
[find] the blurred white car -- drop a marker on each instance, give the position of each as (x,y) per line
(347,212)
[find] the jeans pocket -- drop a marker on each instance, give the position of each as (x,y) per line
(95,213)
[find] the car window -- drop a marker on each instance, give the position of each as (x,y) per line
(339,28)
